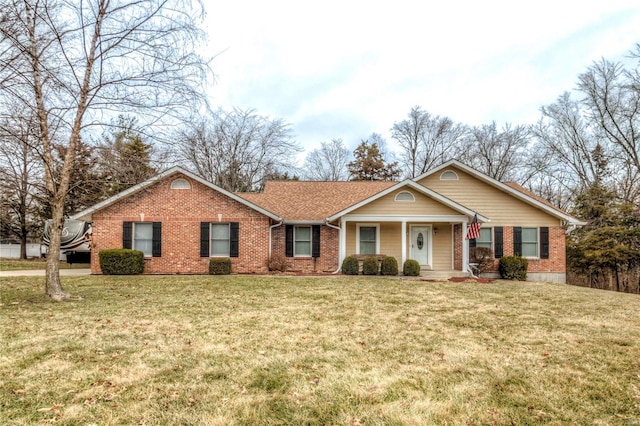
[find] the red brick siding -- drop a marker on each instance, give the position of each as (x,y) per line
(457,247)
(181,211)
(328,260)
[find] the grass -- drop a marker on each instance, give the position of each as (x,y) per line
(33,264)
(316,351)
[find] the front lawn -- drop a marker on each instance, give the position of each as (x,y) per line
(320,351)
(33,264)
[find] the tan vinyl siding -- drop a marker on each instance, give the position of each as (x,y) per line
(442,250)
(391,240)
(423,205)
(503,209)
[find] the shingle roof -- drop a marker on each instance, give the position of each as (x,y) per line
(313,201)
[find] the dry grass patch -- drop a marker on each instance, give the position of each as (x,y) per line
(35,264)
(291,350)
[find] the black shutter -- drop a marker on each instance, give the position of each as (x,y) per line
(234,239)
(315,241)
(498,242)
(156,242)
(544,242)
(288,241)
(472,243)
(517,241)
(127,228)
(204,239)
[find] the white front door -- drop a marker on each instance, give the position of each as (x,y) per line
(420,244)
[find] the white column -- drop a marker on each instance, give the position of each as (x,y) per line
(465,247)
(342,252)
(404,241)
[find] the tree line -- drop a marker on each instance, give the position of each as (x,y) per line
(89,89)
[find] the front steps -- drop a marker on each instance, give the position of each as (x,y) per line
(429,274)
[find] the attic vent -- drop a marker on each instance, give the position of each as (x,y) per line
(449,175)
(180,184)
(405,196)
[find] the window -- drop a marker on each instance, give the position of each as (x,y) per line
(449,175)
(220,239)
(484,240)
(302,241)
(143,237)
(367,239)
(180,183)
(529,242)
(405,196)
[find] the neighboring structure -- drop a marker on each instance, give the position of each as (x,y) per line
(179,221)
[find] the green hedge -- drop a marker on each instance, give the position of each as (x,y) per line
(513,268)
(219,266)
(121,261)
(411,268)
(350,265)
(370,266)
(389,266)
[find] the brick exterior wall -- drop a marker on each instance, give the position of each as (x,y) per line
(180,211)
(329,248)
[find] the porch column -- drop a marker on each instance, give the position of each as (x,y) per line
(404,241)
(342,248)
(465,247)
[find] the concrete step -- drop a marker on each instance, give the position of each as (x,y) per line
(441,275)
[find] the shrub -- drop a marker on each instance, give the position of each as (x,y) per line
(350,265)
(482,256)
(411,268)
(121,261)
(389,266)
(513,268)
(278,263)
(370,266)
(219,266)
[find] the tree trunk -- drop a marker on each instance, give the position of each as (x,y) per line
(53,285)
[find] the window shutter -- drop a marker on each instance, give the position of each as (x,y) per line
(498,242)
(472,243)
(234,239)
(517,241)
(289,240)
(315,241)
(156,242)
(204,239)
(544,242)
(127,228)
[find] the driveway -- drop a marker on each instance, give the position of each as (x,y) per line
(41,273)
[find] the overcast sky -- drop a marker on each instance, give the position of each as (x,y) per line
(345,69)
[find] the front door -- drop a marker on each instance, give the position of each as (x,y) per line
(420,244)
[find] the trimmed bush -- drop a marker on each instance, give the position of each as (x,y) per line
(350,265)
(411,268)
(278,263)
(219,266)
(121,261)
(370,266)
(389,266)
(513,268)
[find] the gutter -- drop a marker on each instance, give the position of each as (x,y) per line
(270,233)
(326,222)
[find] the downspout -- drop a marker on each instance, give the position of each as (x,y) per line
(339,229)
(271,232)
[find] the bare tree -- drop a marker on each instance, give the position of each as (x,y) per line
(501,154)
(237,149)
(76,63)
(426,140)
(328,163)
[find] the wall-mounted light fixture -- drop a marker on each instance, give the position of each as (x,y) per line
(435,231)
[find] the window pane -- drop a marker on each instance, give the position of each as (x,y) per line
(303,248)
(485,238)
(367,233)
(530,235)
(303,233)
(220,231)
(529,250)
(367,247)
(219,247)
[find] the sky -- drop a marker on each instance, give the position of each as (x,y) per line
(345,69)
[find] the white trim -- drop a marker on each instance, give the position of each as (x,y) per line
(449,172)
(537,228)
(211,225)
(133,237)
(503,187)
(180,181)
(86,214)
(368,225)
(408,218)
(403,230)
(295,229)
(419,188)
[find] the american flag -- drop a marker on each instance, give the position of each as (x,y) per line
(473,231)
